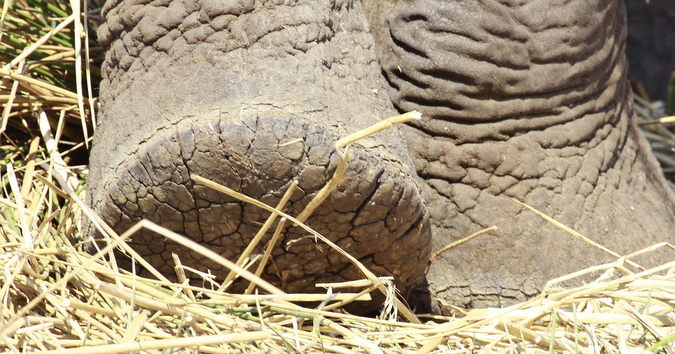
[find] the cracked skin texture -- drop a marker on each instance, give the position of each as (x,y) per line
(520,105)
(527,100)
(252,96)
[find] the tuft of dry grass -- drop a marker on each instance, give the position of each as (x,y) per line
(45,53)
(657,120)
(54,297)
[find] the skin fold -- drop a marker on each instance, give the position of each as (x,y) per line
(522,100)
(527,101)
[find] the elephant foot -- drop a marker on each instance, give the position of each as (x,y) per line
(376,213)
(614,196)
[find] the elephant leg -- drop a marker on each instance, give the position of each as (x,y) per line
(252,96)
(525,101)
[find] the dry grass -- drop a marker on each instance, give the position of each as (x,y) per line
(656,120)
(53,296)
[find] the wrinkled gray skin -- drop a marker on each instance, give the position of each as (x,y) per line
(521,101)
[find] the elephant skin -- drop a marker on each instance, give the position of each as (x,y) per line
(224,90)
(522,100)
